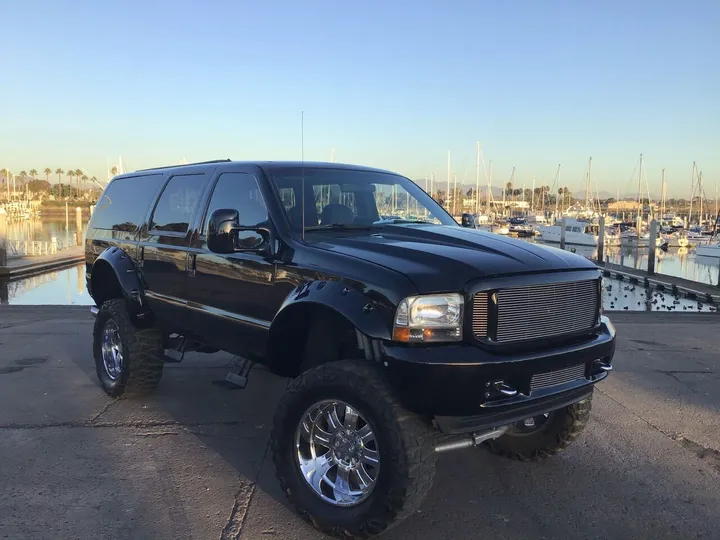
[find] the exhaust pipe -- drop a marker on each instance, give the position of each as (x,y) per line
(475,439)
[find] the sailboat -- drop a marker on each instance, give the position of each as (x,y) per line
(637,237)
(712,248)
(581,226)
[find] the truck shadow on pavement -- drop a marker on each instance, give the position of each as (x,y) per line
(619,467)
(190,460)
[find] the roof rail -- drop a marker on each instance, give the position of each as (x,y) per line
(186,164)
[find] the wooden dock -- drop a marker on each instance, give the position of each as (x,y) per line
(663,282)
(18,267)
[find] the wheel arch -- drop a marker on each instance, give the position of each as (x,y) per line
(350,317)
(115,275)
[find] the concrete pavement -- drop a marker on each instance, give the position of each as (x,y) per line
(190,461)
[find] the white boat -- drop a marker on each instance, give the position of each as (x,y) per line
(675,240)
(696,238)
(497,227)
(577,232)
(631,238)
(709,250)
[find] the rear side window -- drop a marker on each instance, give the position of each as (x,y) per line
(125,203)
(177,204)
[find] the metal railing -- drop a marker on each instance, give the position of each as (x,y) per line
(30,248)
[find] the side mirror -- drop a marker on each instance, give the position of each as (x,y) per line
(225,235)
(468,221)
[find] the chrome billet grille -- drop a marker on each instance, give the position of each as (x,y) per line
(554,378)
(480,314)
(546,310)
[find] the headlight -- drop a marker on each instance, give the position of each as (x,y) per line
(433,317)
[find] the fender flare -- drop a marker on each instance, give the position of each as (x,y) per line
(369,317)
(129,278)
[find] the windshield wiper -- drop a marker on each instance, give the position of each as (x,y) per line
(340,227)
(394,221)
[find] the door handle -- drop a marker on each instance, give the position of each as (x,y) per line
(192,261)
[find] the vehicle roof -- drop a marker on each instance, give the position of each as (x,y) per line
(263,164)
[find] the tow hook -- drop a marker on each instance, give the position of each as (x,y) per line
(603,365)
(500,387)
(474,439)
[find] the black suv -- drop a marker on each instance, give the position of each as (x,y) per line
(405,333)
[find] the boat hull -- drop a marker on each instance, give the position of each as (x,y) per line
(552,234)
(710,250)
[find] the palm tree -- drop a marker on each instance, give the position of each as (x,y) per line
(23,174)
(84,179)
(78,174)
(47,172)
(33,173)
(113,171)
(70,174)
(59,172)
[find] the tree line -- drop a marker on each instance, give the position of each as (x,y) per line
(76,180)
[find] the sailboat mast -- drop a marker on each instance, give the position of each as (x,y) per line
(700,194)
(532,196)
(638,218)
(640,184)
(454,194)
(448,175)
(477,180)
(489,189)
(588,186)
(663,194)
(556,184)
(692,193)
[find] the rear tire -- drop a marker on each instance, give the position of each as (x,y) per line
(557,432)
(401,441)
(128,360)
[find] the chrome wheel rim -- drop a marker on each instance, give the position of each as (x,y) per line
(337,453)
(112,350)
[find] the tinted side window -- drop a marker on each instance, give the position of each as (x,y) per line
(178,202)
(238,191)
(124,204)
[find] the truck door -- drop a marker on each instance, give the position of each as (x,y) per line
(232,298)
(164,245)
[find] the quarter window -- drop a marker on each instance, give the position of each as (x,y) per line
(177,204)
(124,204)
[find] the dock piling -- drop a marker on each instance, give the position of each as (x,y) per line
(3,237)
(563,223)
(601,239)
(652,244)
(78,226)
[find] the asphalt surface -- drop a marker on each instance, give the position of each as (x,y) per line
(191,461)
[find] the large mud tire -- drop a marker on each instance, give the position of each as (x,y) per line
(405,449)
(560,430)
(142,353)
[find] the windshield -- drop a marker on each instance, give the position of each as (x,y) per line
(346,199)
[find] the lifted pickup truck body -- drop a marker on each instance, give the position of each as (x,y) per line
(329,272)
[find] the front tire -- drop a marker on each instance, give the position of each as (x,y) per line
(128,360)
(545,435)
(349,458)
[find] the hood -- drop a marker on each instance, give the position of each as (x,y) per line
(445,258)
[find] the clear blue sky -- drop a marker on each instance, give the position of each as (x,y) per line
(389,84)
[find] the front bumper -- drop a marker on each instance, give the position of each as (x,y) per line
(461,380)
